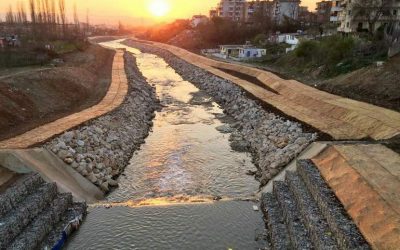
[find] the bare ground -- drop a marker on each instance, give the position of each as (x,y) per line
(31,98)
(372,84)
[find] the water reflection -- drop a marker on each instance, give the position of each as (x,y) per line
(165,197)
(185,154)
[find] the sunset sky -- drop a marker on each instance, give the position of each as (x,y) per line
(110,11)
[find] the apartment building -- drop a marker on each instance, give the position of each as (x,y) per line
(323,11)
(282,9)
(245,11)
(254,9)
(352,20)
(231,9)
(336,11)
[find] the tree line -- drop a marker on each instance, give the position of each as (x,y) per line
(46,19)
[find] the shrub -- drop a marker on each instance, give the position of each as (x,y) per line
(336,54)
(307,49)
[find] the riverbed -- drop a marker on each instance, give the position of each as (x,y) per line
(168,194)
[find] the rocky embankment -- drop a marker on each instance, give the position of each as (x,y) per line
(101,148)
(272,140)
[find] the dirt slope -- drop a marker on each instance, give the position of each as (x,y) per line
(376,85)
(34,98)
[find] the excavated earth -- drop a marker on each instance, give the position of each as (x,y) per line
(51,93)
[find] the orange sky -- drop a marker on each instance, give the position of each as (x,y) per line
(110,11)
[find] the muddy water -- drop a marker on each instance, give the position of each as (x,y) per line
(183,165)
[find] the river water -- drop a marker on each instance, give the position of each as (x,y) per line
(165,198)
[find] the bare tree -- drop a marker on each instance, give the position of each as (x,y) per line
(39,12)
(32,9)
(87,20)
(10,18)
(62,14)
(76,19)
(371,11)
(21,13)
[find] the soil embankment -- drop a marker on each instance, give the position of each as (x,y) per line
(378,85)
(372,84)
(33,98)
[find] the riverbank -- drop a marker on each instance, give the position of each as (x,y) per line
(272,140)
(376,83)
(101,148)
(30,97)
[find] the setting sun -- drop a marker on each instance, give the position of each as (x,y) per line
(159,8)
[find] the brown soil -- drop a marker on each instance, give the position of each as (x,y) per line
(376,85)
(33,98)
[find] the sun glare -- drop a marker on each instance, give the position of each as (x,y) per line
(159,8)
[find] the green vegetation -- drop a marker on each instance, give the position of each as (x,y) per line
(37,54)
(331,56)
(61,47)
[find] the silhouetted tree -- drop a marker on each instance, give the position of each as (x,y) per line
(10,18)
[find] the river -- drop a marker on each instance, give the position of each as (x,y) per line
(166,196)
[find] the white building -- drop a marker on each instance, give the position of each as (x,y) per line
(231,9)
(251,52)
(292,40)
(240,52)
(285,8)
(198,19)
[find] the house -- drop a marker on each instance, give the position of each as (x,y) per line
(285,9)
(352,19)
(197,20)
(277,38)
(229,50)
(251,52)
(240,52)
(292,40)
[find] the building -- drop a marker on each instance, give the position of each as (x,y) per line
(231,9)
(257,9)
(251,52)
(197,20)
(248,11)
(306,17)
(292,40)
(213,13)
(240,52)
(336,11)
(352,21)
(323,11)
(282,9)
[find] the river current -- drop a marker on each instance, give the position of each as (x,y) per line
(166,196)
